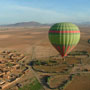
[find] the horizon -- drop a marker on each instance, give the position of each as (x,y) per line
(82,23)
(44,11)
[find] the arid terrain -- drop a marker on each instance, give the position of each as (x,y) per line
(33,43)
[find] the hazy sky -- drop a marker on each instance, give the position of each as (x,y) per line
(44,11)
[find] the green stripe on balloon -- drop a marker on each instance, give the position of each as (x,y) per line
(63,27)
(64,39)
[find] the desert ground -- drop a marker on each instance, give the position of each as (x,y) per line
(33,42)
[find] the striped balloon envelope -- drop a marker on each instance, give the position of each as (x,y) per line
(64,37)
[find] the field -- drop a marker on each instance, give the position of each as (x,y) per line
(79,83)
(58,79)
(33,42)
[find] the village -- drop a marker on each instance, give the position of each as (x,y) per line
(11,67)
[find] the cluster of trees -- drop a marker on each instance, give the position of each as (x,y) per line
(49,62)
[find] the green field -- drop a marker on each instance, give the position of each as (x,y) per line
(35,85)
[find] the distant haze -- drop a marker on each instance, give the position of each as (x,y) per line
(37,24)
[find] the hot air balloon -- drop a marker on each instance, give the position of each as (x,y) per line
(64,37)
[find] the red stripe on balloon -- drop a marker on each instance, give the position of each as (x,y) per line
(67,50)
(59,49)
(64,31)
(63,50)
(72,47)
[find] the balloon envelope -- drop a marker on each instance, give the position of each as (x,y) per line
(64,37)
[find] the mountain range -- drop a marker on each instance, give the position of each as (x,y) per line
(37,24)
(26,24)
